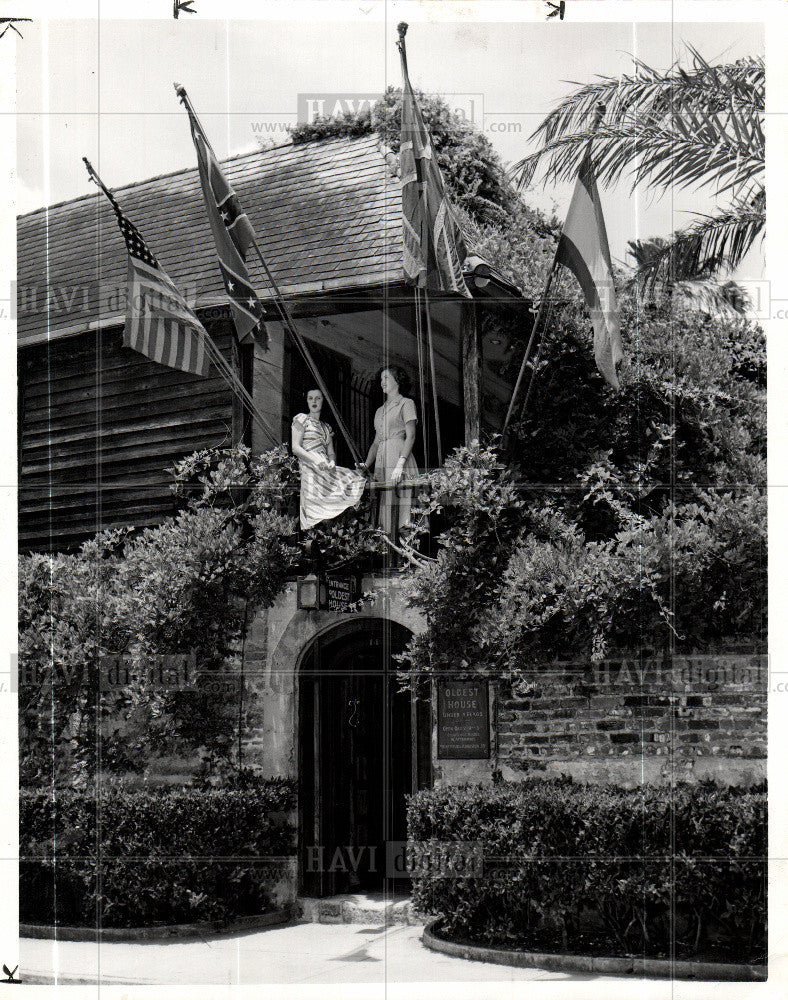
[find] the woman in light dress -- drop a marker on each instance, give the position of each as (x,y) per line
(326,489)
(392,451)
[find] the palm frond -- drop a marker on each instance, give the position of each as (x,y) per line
(678,153)
(647,253)
(724,299)
(708,244)
(701,126)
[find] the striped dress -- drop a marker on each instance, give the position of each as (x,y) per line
(325,493)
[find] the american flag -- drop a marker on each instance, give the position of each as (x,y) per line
(159,323)
(232,235)
(433,249)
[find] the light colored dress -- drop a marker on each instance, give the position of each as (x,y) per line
(395,502)
(325,493)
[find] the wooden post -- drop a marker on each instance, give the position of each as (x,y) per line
(269,383)
(470,342)
(238,362)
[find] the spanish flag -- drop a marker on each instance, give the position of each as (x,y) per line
(583,248)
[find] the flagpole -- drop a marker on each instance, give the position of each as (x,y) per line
(432,378)
(215,355)
(529,346)
(402,28)
(287,320)
(96,179)
(598,115)
(282,307)
(422,377)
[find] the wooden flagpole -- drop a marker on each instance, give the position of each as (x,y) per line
(287,320)
(422,378)
(529,347)
(433,380)
(286,315)
(402,28)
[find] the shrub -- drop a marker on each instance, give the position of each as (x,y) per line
(471,168)
(522,573)
(138,858)
(641,872)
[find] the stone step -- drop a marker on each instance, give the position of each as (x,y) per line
(373,909)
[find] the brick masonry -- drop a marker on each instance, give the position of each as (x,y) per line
(686,717)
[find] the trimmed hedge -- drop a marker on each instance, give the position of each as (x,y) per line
(578,868)
(140,858)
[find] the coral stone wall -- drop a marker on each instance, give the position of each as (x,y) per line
(275,642)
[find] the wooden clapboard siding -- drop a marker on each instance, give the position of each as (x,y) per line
(100,424)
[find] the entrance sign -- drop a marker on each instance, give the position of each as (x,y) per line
(463,720)
(342,592)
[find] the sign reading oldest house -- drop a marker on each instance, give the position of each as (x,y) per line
(343,592)
(463,720)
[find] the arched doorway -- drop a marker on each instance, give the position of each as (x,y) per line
(363,746)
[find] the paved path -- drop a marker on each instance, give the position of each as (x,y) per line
(297,953)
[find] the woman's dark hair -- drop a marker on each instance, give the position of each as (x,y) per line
(401,377)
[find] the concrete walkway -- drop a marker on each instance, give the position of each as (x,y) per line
(304,953)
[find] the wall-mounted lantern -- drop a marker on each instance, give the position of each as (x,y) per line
(312,593)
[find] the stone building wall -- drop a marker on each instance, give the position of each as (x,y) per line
(275,643)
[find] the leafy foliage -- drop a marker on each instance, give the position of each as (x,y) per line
(646,874)
(477,497)
(694,127)
(187,585)
(138,858)
(696,571)
(691,409)
(234,479)
(629,518)
(178,587)
(471,168)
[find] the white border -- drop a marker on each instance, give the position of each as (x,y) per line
(775,14)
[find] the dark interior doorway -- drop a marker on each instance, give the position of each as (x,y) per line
(363,746)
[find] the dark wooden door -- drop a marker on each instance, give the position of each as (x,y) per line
(365,776)
(356,762)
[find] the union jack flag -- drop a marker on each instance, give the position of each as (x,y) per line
(232,235)
(159,323)
(433,245)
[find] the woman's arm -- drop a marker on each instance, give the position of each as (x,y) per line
(330,451)
(372,454)
(405,450)
(296,440)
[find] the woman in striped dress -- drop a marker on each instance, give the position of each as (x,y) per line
(326,489)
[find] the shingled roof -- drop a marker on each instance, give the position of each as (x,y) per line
(327,215)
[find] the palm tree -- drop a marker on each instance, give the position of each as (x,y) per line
(695,127)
